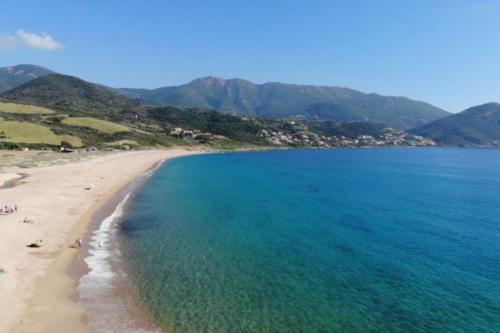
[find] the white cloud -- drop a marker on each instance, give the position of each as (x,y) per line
(21,38)
(42,41)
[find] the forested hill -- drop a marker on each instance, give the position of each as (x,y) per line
(479,125)
(71,95)
(279,100)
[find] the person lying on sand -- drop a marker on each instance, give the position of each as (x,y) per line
(26,220)
(36,245)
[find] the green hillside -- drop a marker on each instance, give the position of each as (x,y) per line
(72,96)
(478,125)
(97,124)
(65,108)
(278,100)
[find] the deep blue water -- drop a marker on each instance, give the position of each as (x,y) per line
(362,240)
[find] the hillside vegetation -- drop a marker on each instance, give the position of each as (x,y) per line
(88,114)
(478,125)
(97,124)
(279,100)
(71,95)
(42,108)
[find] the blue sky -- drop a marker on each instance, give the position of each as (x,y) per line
(441,51)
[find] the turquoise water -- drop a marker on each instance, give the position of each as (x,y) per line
(378,240)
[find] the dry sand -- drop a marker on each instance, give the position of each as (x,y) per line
(36,292)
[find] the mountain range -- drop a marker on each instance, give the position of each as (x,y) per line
(190,103)
(280,100)
(269,100)
(60,110)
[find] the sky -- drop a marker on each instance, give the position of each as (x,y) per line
(445,52)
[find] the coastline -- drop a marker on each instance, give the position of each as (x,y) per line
(102,287)
(117,305)
(39,285)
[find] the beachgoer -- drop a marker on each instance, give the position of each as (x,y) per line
(78,243)
(26,220)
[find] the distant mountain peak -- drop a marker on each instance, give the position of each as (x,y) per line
(14,76)
(22,68)
(214,81)
(210,81)
(488,105)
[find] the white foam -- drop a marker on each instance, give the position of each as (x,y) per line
(107,313)
(151,172)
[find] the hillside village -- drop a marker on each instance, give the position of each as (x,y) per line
(301,136)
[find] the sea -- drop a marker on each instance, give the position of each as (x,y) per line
(340,240)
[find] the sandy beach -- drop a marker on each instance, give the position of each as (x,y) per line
(38,294)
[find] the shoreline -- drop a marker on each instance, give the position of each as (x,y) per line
(112,212)
(133,317)
(40,289)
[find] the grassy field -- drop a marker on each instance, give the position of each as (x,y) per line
(23,109)
(97,124)
(24,132)
(122,142)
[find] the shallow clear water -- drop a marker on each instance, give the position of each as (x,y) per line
(378,240)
